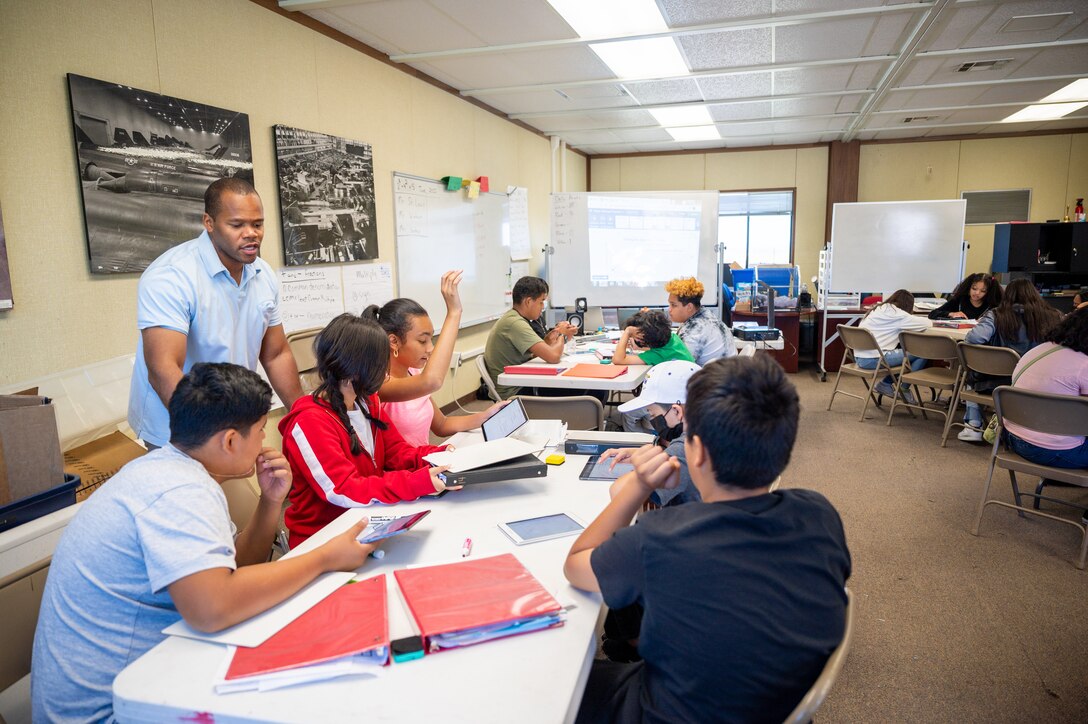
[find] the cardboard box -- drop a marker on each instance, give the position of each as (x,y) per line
(30,460)
(97,461)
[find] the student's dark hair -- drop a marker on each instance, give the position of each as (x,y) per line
(1072,331)
(395,316)
(216,396)
(899,298)
(1022,305)
(214,193)
(529,288)
(963,290)
(745,413)
(357,349)
(654,327)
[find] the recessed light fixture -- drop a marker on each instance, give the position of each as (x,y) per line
(695,133)
(1075,91)
(605,18)
(687,116)
(1044,112)
(650,58)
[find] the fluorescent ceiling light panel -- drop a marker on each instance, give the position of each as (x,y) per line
(609,18)
(651,58)
(690,116)
(695,133)
(1075,91)
(1044,112)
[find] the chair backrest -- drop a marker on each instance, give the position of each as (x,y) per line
(928,346)
(1041,411)
(806,708)
(481,366)
(302,347)
(580,412)
(857,339)
(987,360)
(242,497)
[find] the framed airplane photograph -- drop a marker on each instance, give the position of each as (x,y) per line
(144,161)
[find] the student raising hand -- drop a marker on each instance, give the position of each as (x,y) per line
(451,295)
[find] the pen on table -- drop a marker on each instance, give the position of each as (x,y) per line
(377,554)
(466,547)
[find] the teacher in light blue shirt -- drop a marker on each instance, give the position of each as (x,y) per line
(211,299)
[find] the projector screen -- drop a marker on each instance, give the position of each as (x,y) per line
(619,249)
(887,245)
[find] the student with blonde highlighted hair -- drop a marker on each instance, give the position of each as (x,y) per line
(706,336)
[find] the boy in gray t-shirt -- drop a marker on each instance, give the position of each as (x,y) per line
(156,544)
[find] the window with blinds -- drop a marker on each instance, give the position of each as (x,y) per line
(756,227)
(997,207)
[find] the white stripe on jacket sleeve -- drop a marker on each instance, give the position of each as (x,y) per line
(319,474)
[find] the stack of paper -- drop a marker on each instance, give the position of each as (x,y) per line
(346,634)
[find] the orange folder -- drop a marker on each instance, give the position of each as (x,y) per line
(473,594)
(352,620)
(597,372)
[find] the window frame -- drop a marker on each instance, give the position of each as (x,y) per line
(793,218)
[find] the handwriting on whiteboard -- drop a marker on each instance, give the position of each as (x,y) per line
(365,285)
(312,296)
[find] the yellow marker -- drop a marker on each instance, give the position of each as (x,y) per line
(556,459)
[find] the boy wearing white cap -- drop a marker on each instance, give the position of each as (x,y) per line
(663,396)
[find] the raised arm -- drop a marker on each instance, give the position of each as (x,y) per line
(429,381)
(279,362)
(164,354)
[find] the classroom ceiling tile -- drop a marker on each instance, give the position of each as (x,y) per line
(699,12)
(981,115)
(596,92)
(642,135)
(886,135)
(1019,92)
(839,124)
(821,41)
(577,138)
(888,34)
(619,119)
(728,48)
(994,30)
(794,7)
(850,104)
(430,29)
(741,111)
(499,22)
(800,126)
(958,26)
(957,130)
(805,107)
(572,122)
(1053,61)
(812,80)
(749,141)
(745,85)
(536,102)
(665,91)
(549,65)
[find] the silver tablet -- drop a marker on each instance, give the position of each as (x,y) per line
(545,527)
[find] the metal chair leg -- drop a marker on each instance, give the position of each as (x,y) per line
(1016,494)
(985,497)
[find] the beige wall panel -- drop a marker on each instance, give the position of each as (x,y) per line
(604,174)
(810,202)
(1040,163)
(496,151)
(662,173)
(576,172)
(909,171)
(1077,184)
(746,170)
(534,166)
(443,133)
(59,319)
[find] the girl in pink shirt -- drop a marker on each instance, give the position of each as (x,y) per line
(1058,366)
(417,366)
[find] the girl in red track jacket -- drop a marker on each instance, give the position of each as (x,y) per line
(344,451)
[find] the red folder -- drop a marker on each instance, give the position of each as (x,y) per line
(472,594)
(531,370)
(597,372)
(352,620)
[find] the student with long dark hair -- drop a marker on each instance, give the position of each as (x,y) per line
(1058,366)
(971,298)
(885,321)
(344,450)
(417,366)
(1020,322)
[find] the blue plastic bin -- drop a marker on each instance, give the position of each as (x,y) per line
(35,506)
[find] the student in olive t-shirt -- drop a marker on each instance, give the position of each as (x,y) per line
(743,592)
(513,341)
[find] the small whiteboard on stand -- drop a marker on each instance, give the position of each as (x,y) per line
(887,245)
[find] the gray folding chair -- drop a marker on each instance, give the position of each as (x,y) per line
(855,340)
(481,367)
(1046,413)
(580,412)
(933,348)
(982,359)
(806,708)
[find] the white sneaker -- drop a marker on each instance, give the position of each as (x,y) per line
(970,434)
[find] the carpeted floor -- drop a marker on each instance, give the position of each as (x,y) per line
(949,626)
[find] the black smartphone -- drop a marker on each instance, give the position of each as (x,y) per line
(407,648)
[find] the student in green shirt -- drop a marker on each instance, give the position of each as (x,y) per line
(654,341)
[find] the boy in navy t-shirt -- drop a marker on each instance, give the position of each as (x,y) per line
(743,592)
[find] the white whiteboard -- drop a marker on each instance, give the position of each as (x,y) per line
(438,230)
(311,296)
(619,249)
(882,246)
